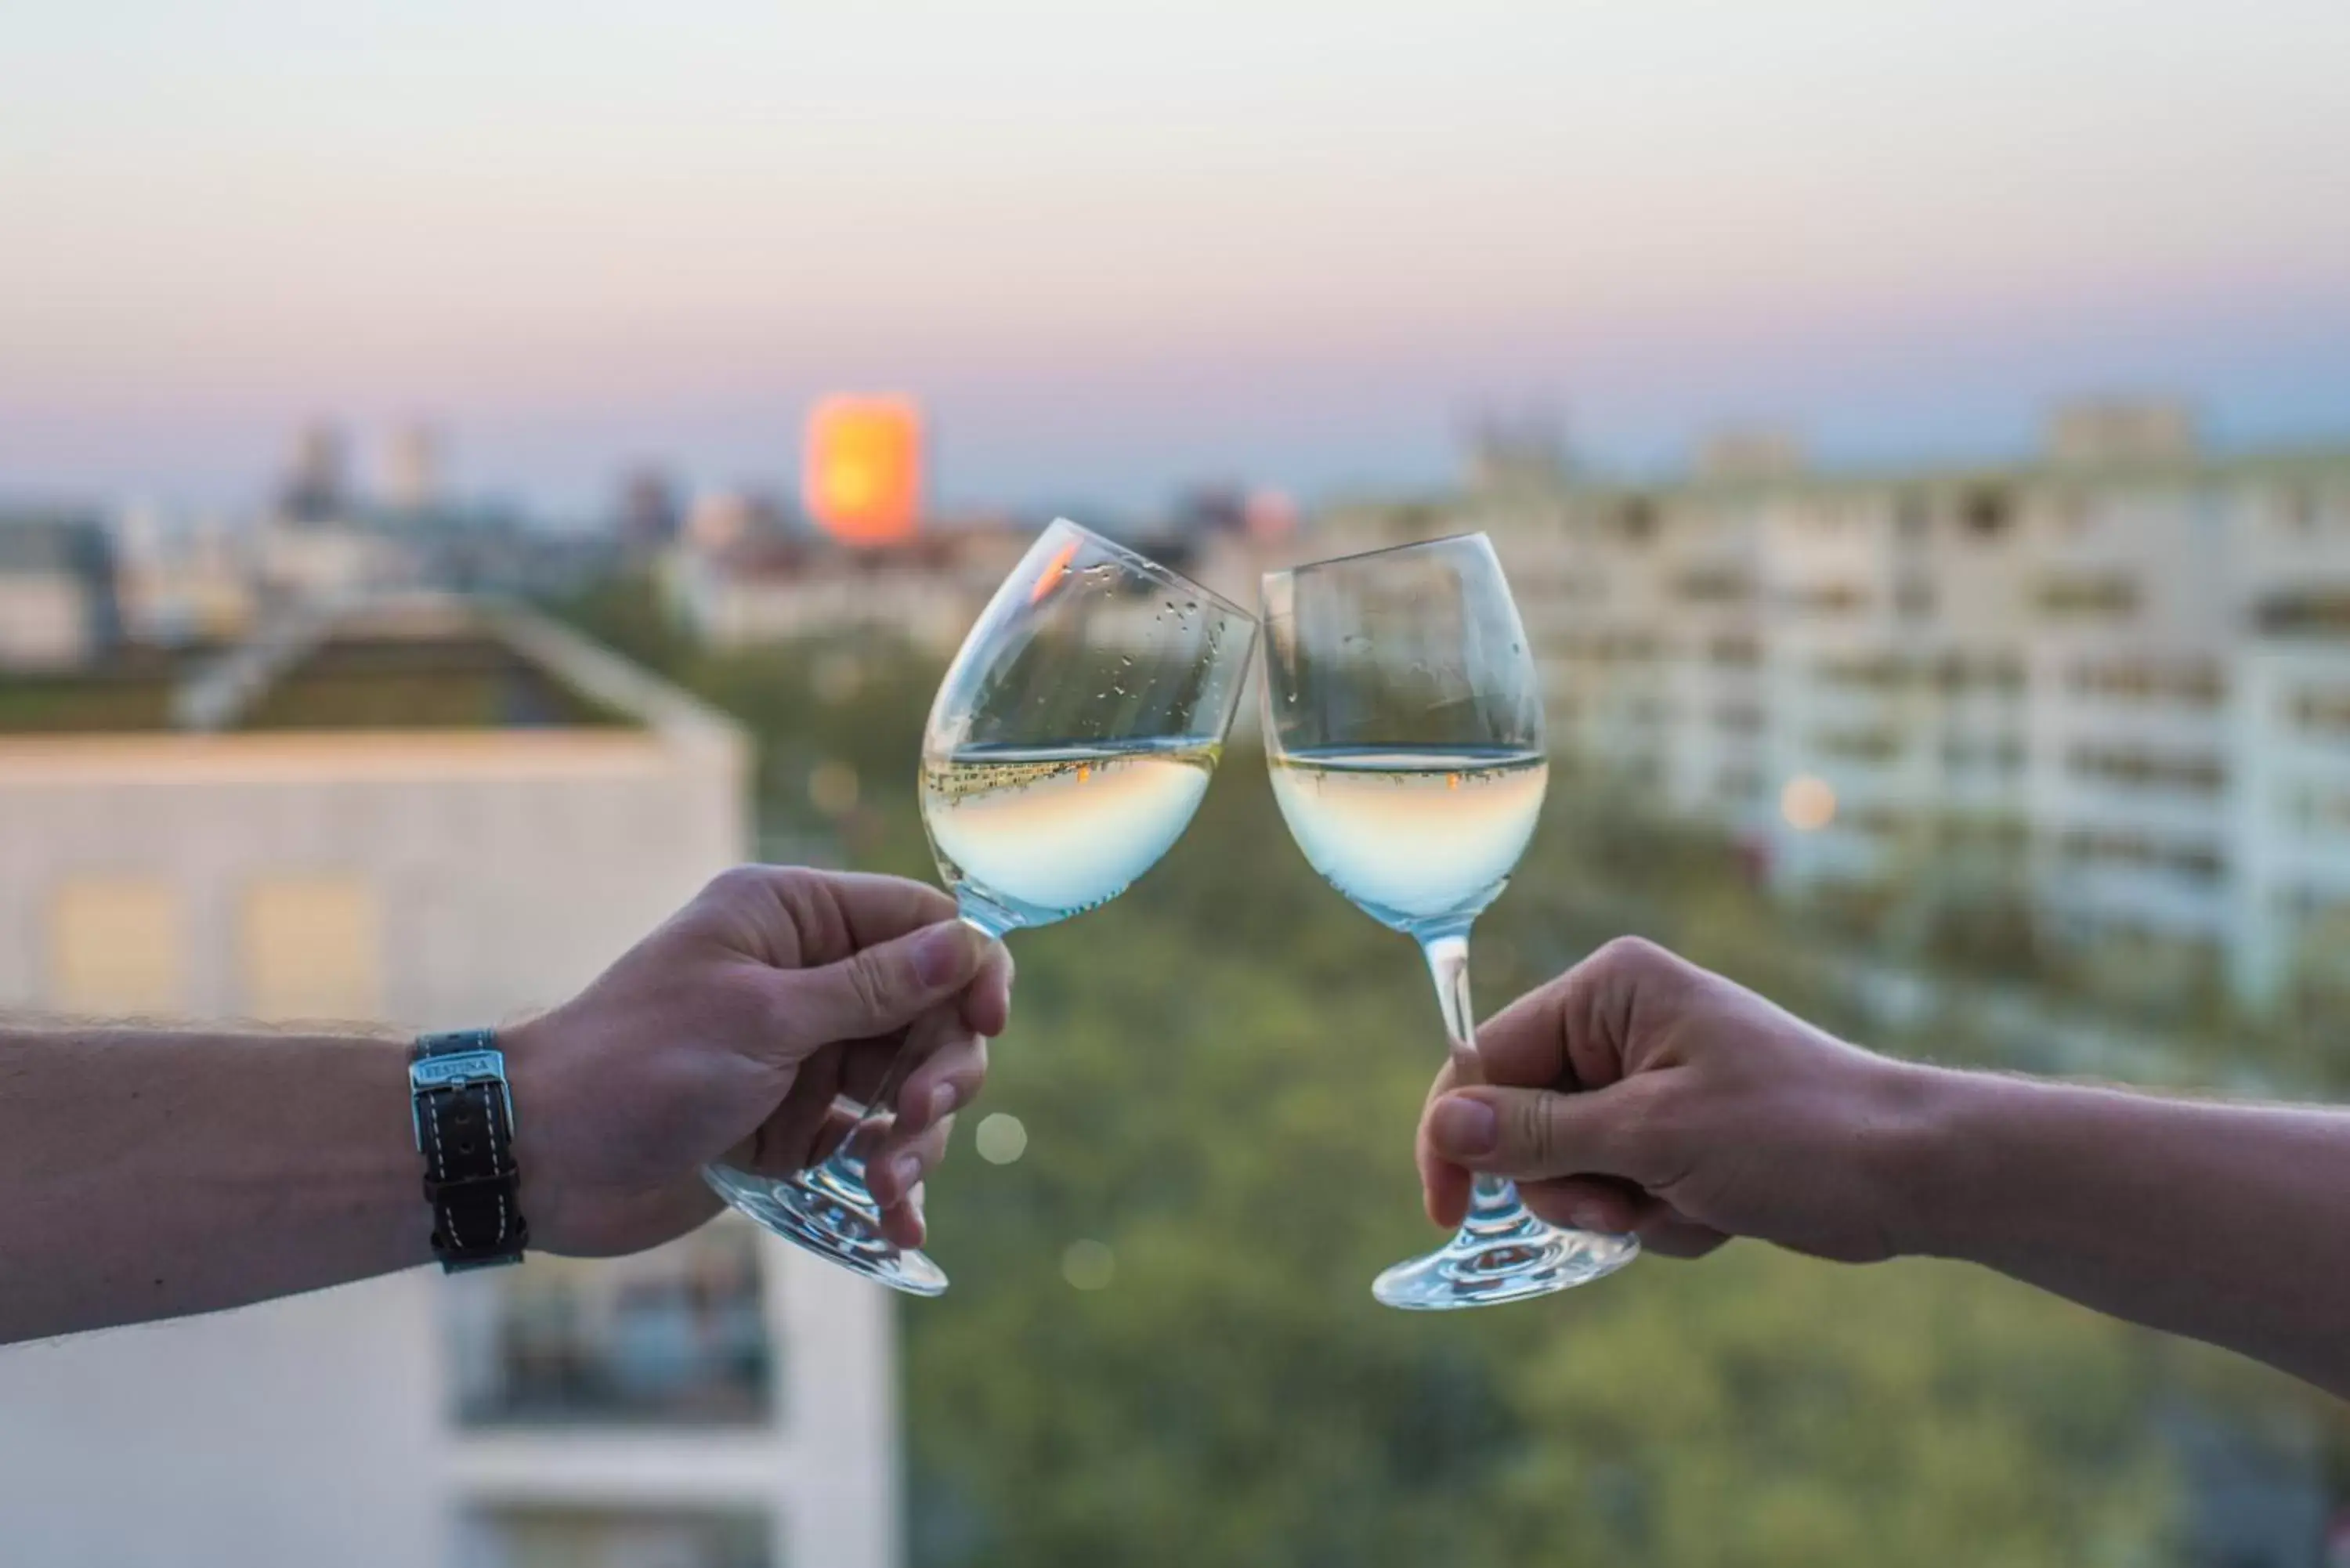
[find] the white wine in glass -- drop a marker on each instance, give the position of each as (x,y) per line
(1069,746)
(1403,729)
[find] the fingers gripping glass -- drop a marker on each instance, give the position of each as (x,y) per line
(1403,727)
(1065,752)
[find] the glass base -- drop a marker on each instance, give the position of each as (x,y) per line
(828,1212)
(1503,1255)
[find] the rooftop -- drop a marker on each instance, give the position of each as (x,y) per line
(468,681)
(2322,466)
(441,669)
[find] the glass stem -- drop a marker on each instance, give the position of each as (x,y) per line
(873,1117)
(1493,1203)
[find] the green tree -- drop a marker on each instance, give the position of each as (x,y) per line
(1218,1073)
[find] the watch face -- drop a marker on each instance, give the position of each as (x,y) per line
(472,1066)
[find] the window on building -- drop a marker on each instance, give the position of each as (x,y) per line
(2199,684)
(2121,847)
(1879,671)
(2315,613)
(2322,711)
(1735,649)
(1738,718)
(1737,784)
(311,947)
(1987,512)
(116,949)
(2088,598)
(560,1536)
(1715,584)
(674,1337)
(1868,745)
(1636,519)
(1826,598)
(2139,767)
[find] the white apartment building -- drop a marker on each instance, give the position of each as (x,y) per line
(2113,684)
(184,581)
(736,592)
(56,592)
(438,815)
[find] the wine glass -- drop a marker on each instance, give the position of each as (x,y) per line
(1070,744)
(1404,731)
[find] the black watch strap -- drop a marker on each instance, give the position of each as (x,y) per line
(464,1115)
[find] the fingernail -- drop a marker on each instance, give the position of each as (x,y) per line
(943,953)
(906,1172)
(1590,1216)
(1464,1127)
(943,1103)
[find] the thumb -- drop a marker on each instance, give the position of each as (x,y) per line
(884,987)
(1539,1135)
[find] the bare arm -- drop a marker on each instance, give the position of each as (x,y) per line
(149,1174)
(1708,1113)
(2226,1223)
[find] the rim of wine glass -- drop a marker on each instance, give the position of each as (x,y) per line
(1156,570)
(1383,550)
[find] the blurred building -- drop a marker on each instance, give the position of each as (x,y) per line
(184,581)
(440,816)
(411,470)
(734,588)
(316,485)
(1519,452)
(2111,688)
(649,518)
(332,560)
(58,603)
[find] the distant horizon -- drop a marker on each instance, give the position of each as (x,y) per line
(2023,445)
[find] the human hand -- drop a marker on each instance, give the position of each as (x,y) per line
(726,1035)
(1701,1112)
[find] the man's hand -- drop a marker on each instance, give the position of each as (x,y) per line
(1701,1112)
(725,1036)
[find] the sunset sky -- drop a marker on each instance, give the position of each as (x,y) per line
(1117,246)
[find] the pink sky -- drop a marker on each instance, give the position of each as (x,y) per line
(1288,242)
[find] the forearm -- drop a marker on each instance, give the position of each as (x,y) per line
(2228,1223)
(150,1174)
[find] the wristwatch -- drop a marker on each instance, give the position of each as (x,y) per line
(462,1112)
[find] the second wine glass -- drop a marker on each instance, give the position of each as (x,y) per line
(1403,726)
(1068,747)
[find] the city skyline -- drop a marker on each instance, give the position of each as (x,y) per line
(1295,245)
